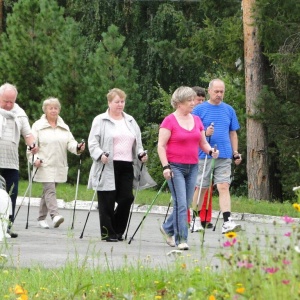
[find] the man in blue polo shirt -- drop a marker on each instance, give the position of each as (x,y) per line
(225,138)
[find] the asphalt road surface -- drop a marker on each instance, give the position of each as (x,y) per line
(55,247)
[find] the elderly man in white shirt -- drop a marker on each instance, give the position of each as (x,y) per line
(13,123)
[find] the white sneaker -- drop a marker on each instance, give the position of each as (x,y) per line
(230,226)
(7,235)
(57,220)
(169,239)
(43,224)
(183,246)
(196,226)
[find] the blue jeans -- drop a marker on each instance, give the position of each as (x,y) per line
(184,180)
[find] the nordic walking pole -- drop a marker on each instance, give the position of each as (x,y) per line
(201,184)
(214,229)
(30,176)
(81,236)
(136,192)
(77,184)
(30,179)
(209,191)
(30,183)
(168,210)
(199,192)
(147,212)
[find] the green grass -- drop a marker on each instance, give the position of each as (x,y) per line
(243,273)
(245,270)
(239,204)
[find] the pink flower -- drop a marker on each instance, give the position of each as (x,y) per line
(271,270)
(288,234)
(229,243)
(286,262)
(285,281)
(287,219)
(245,264)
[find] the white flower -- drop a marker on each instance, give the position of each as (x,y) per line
(296,188)
(297,248)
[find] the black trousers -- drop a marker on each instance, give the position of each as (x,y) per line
(113,221)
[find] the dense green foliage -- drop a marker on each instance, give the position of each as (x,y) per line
(77,50)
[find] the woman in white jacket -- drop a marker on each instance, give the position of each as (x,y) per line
(54,139)
(115,146)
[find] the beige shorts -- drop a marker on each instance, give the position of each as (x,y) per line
(221,172)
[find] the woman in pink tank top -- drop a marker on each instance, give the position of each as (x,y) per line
(180,135)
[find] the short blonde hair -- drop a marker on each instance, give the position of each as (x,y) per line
(51,101)
(114,92)
(181,95)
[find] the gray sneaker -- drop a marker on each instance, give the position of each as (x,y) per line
(57,220)
(183,246)
(169,239)
(231,226)
(43,224)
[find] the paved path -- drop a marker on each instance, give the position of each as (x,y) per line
(55,246)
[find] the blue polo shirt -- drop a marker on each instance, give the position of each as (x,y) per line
(225,120)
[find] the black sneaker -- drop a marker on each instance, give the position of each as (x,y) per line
(12,234)
(208,225)
(110,239)
(120,237)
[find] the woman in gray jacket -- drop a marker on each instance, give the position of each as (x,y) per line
(115,146)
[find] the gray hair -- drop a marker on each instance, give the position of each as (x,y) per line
(182,94)
(7,86)
(51,101)
(212,82)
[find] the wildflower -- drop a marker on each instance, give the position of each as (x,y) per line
(18,290)
(158,297)
(183,266)
(287,219)
(286,262)
(288,234)
(296,206)
(297,248)
(231,235)
(245,264)
(285,281)
(240,290)
(211,297)
(229,244)
(271,270)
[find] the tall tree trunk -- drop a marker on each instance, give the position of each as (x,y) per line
(257,153)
